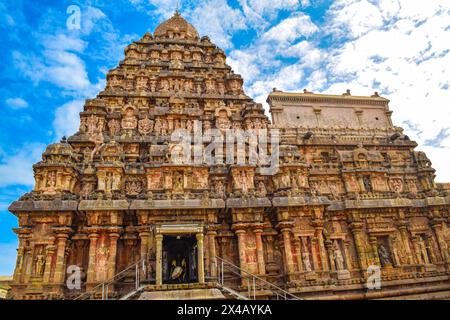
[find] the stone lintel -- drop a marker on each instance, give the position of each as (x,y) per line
(177,204)
(93,205)
(299,201)
(393,203)
(249,203)
(43,205)
(180,229)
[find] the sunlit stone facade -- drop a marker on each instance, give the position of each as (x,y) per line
(350,192)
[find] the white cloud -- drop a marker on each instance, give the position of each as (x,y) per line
(217,20)
(291,29)
(396,47)
(16,103)
(269,8)
(91,18)
(399,50)
(439,159)
(15,165)
(59,63)
(164,8)
(8,258)
(67,118)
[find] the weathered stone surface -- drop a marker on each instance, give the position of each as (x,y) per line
(192,294)
(349,192)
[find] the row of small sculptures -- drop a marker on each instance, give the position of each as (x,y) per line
(145,126)
(178,86)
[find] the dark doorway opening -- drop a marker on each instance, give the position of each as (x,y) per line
(179,259)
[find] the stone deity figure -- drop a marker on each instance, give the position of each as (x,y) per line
(178,182)
(51,180)
(145,126)
(262,191)
(337,256)
(367,184)
(98,139)
(39,265)
(189,126)
(423,250)
(385,258)
(114,127)
(158,126)
(210,86)
(219,189)
(165,85)
(164,127)
(129,121)
(306,261)
(244,182)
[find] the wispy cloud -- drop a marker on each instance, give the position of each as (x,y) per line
(8,253)
(67,117)
(16,103)
(15,165)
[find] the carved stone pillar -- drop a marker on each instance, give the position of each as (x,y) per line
(201,263)
(314,252)
(321,246)
(443,248)
(159,240)
(28,263)
(423,250)
(348,259)
(241,246)
(288,251)
(60,272)
(357,235)
(374,248)
(49,252)
(18,271)
(144,236)
(93,238)
(113,237)
(429,248)
(417,249)
(330,256)
(212,253)
(260,252)
(298,250)
(270,253)
(405,242)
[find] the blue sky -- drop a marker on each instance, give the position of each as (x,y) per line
(400,48)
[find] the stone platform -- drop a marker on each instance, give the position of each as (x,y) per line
(190,291)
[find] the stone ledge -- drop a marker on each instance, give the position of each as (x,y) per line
(190,294)
(43,205)
(177,204)
(248,203)
(86,205)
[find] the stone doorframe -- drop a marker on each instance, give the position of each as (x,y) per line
(179,229)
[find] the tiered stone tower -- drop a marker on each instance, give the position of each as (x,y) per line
(350,191)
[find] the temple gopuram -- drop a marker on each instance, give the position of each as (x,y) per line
(351,210)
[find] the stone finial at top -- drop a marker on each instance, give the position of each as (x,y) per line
(347,93)
(176,28)
(375,95)
(307,92)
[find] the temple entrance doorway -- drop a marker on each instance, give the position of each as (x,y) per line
(179,253)
(179,259)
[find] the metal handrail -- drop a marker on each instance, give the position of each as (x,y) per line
(105,284)
(254,278)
